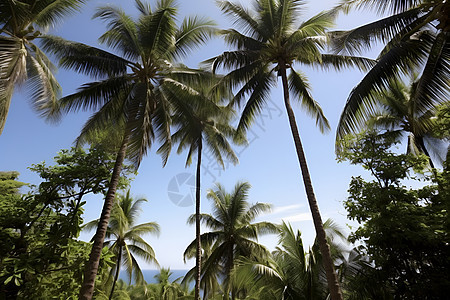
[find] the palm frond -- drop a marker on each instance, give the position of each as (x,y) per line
(122,32)
(361,102)
(339,62)
(143,7)
(92,96)
(84,59)
(356,40)
(45,89)
(287,12)
(299,87)
(157,30)
(242,18)
(434,85)
(260,92)
(49,13)
(192,33)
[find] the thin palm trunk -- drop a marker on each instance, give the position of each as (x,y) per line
(332,280)
(116,276)
(228,268)
(91,269)
(198,258)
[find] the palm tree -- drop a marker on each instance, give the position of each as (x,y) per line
(133,88)
(233,233)
(292,272)
(416,38)
(201,122)
(125,238)
(268,47)
(396,112)
(22,22)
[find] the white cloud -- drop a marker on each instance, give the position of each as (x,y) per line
(298,218)
(280,209)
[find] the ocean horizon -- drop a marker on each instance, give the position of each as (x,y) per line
(149,275)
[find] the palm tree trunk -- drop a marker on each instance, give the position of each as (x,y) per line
(116,276)
(198,254)
(333,283)
(425,151)
(91,269)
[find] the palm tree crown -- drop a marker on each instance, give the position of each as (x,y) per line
(233,232)
(416,38)
(21,59)
(124,237)
(291,272)
(396,111)
(134,89)
(201,122)
(271,41)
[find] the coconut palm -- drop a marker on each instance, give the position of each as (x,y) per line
(133,89)
(22,23)
(293,272)
(233,233)
(124,238)
(270,43)
(395,111)
(416,37)
(201,122)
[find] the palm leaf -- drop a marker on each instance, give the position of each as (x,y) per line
(299,87)
(122,32)
(52,12)
(84,59)
(192,33)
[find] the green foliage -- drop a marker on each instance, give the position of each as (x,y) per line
(124,240)
(405,231)
(40,256)
(21,60)
(442,128)
(233,233)
(415,39)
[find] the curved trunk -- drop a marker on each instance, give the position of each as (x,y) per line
(333,283)
(198,254)
(91,269)
(116,276)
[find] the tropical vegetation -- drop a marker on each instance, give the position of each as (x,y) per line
(233,234)
(199,122)
(22,23)
(142,93)
(135,88)
(270,42)
(124,238)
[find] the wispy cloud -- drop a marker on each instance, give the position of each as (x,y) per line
(297,218)
(288,213)
(280,209)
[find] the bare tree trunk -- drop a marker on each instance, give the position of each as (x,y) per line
(91,269)
(198,254)
(333,283)
(116,276)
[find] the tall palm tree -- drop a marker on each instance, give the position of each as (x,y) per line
(270,43)
(201,122)
(22,23)
(132,91)
(233,233)
(416,37)
(124,238)
(395,111)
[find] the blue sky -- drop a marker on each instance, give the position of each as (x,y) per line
(269,162)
